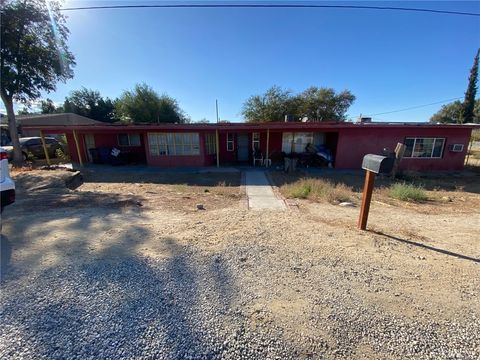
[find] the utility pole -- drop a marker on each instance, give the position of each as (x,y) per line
(216,106)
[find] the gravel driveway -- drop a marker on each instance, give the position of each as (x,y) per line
(112,279)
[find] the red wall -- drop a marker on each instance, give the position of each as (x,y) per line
(355,143)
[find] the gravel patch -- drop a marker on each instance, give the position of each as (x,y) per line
(189,306)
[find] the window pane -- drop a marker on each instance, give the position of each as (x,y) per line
(437,149)
(179,149)
(409,147)
(178,139)
(152,139)
(163,150)
(195,139)
(423,148)
(135,140)
(287,142)
(171,144)
(123,139)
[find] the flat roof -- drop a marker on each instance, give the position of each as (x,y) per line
(241,126)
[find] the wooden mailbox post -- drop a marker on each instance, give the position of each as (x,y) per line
(373,164)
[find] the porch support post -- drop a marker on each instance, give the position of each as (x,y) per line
(217,148)
(78,148)
(44,145)
(268,140)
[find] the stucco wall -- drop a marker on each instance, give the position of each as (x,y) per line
(355,143)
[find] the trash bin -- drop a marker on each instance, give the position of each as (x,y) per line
(104,153)
(95,154)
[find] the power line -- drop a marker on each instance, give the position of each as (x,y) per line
(415,107)
(300,6)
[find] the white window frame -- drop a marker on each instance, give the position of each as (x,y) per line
(172,144)
(255,140)
(129,141)
(230,142)
(433,147)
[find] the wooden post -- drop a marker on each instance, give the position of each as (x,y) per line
(78,148)
(44,145)
(366,198)
(399,151)
(217,148)
(268,140)
(469,149)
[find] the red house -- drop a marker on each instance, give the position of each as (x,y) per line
(429,147)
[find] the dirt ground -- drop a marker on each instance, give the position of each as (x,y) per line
(307,271)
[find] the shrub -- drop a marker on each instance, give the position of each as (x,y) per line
(317,189)
(408,192)
(61,155)
(30,156)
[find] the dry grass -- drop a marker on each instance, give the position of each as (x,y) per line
(408,192)
(318,190)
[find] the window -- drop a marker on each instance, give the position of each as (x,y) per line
(230,142)
(255,140)
(210,144)
(173,144)
(34,142)
(129,140)
(424,147)
(296,142)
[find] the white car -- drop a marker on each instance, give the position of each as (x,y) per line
(7,186)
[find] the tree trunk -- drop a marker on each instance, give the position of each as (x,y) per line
(12,127)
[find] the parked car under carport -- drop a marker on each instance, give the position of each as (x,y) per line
(34,146)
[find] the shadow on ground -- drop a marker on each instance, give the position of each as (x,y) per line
(106,301)
(133,175)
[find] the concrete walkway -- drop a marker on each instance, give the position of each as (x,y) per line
(260,193)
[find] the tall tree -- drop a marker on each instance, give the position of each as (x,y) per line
(453,113)
(90,103)
(324,104)
(317,104)
(48,107)
(143,104)
(271,106)
(34,55)
(469,102)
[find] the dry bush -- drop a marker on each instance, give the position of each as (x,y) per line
(317,189)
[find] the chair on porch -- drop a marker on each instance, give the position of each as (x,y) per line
(257,157)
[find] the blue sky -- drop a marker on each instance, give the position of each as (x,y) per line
(389,60)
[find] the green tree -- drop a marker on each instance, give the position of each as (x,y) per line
(90,103)
(453,113)
(48,107)
(469,102)
(317,104)
(34,55)
(24,111)
(324,104)
(143,104)
(271,106)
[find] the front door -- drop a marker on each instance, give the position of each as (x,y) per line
(242,154)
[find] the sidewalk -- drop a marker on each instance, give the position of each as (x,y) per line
(260,193)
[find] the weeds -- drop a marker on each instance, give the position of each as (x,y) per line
(317,189)
(407,192)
